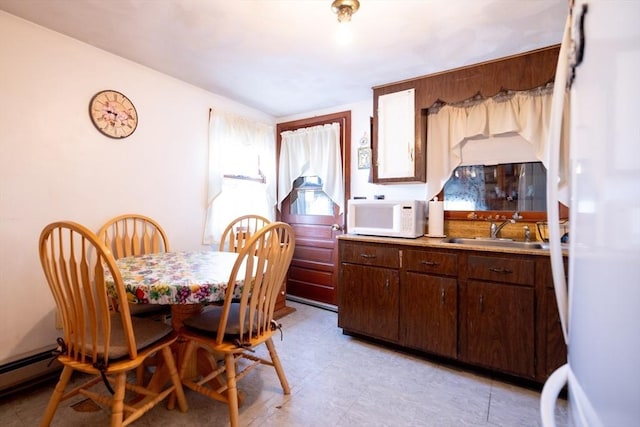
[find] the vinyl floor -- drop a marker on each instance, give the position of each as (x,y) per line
(336,380)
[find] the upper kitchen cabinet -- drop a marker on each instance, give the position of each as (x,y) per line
(400,109)
(397,154)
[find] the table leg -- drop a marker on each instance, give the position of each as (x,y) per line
(180,312)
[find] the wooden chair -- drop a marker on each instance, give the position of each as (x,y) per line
(239,231)
(130,235)
(235,329)
(97,340)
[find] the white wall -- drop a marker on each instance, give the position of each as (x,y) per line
(55,165)
(361,112)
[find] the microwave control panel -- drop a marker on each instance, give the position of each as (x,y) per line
(407,217)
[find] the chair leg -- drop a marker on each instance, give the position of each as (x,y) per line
(117,408)
(178,392)
(187,352)
(140,375)
(65,376)
(278,366)
(232,390)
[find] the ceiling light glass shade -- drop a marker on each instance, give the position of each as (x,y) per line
(344,35)
(344,9)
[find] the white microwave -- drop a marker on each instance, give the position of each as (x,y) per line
(389,218)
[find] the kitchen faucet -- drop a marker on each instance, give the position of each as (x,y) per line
(494,229)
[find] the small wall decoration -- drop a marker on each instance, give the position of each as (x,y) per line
(364,158)
(364,153)
(113,114)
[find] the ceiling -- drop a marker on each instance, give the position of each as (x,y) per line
(281,57)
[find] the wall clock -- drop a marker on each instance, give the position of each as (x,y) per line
(113,114)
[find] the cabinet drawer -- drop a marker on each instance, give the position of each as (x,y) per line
(509,270)
(445,264)
(380,256)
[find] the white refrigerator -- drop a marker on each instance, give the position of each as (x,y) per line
(600,306)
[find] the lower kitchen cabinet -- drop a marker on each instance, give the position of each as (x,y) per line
(489,309)
(497,309)
(499,327)
(428,318)
(552,349)
(369,305)
(368,301)
(429,301)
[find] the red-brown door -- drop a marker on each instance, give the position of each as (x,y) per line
(313,274)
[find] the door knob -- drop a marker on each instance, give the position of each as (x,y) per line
(336,227)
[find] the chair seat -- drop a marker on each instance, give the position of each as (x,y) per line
(207,322)
(147,333)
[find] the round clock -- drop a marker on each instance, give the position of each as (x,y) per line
(113,114)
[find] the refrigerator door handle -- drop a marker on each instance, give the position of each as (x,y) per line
(550,393)
(553,153)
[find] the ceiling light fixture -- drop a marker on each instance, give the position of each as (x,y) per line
(344,9)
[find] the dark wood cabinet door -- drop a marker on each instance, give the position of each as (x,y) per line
(428,319)
(552,349)
(368,301)
(500,327)
(555,348)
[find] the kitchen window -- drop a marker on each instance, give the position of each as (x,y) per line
(242,178)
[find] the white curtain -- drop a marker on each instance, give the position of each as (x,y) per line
(226,132)
(313,151)
(508,128)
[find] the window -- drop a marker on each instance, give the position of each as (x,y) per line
(308,198)
(241,162)
(504,187)
(242,178)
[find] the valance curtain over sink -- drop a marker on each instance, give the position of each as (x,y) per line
(511,127)
(313,151)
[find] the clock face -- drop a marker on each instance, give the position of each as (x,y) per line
(113,114)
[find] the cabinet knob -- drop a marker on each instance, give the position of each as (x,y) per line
(336,227)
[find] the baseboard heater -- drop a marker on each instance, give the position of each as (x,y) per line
(28,371)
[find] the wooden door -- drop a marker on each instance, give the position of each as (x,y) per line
(313,274)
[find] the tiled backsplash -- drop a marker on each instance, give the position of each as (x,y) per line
(480,228)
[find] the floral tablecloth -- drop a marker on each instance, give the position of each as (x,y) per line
(176,277)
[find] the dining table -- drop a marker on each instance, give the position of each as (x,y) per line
(185,280)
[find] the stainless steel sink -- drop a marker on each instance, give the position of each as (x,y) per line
(502,243)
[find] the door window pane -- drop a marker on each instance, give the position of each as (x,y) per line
(307,197)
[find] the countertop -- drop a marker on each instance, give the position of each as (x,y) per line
(441,243)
